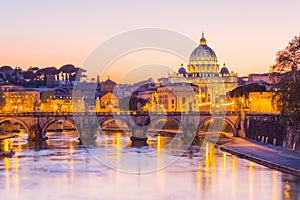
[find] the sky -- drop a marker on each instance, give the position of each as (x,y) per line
(244,34)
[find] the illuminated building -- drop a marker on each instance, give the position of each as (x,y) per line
(178,97)
(107,102)
(21,100)
(203,71)
(261,102)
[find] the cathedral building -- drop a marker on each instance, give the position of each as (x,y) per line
(204,71)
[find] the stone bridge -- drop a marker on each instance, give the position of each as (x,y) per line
(37,123)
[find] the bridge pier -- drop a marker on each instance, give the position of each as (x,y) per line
(138,137)
(87,126)
(240,126)
(87,137)
(36,133)
(190,135)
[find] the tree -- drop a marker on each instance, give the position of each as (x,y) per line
(243,91)
(6,68)
(68,70)
(287,89)
(289,57)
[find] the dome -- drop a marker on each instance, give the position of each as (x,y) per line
(224,70)
(182,70)
(203,54)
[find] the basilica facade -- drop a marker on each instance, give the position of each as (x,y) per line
(204,71)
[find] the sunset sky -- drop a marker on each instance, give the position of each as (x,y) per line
(244,34)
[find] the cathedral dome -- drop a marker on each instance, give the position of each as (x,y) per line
(203,54)
(182,70)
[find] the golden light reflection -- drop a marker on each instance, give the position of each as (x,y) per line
(158,145)
(118,150)
(6,163)
(199,177)
(19,146)
(6,145)
(233,173)
(213,172)
(206,165)
(274,185)
(72,149)
(118,140)
(224,159)
(287,189)
(233,164)
(213,158)
(251,179)
(206,150)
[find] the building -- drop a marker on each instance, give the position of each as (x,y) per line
(21,100)
(107,103)
(178,97)
(266,79)
(106,100)
(269,78)
(261,102)
(203,71)
(107,86)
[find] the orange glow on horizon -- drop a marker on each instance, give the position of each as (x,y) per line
(125,68)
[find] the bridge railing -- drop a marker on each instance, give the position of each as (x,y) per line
(120,113)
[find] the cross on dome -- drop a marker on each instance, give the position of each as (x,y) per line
(203,40)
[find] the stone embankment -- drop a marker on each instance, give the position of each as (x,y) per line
(265,154)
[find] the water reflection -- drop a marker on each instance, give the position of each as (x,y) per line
(62,165)
(287,189)
(291,187)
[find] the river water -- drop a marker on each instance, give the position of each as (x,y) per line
(61,168)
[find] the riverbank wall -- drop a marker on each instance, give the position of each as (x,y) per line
(267,129)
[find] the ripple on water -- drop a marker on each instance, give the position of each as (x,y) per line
(62,172)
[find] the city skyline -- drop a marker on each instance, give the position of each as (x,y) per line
(245,36)
(149,99)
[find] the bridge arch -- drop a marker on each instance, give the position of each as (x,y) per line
(50,122)
(173,119)
(111,118)
(225,120)
(10,119)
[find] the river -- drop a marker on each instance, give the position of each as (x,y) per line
(61,168)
